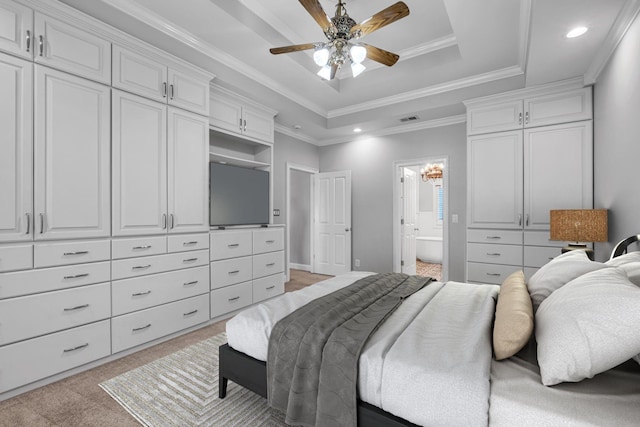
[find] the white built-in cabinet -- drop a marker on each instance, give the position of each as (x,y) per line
(528,152)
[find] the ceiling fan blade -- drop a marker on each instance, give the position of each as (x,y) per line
(380,55)
(317,12)
(382,18)
(293,48)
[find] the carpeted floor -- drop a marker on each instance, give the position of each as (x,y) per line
(79,400)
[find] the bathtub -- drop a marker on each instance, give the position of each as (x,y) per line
(429,249)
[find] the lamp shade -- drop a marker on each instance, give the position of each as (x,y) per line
(579,225)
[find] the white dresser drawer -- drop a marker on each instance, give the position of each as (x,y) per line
(268,240)
(268,287)
(230,244)
(188,242)
(16,257)
(31,360)
(489,273)
(52,279)
(268,264)
(494,254)
(505,237)
(33,315)
(65,253)
(537,256)
(138,246)
(134,267)
(541,238)
(143,326)
(226,300)
(230,271)
(147,291)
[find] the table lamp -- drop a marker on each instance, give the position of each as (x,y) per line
(579,226)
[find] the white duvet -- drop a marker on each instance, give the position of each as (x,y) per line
(428,363)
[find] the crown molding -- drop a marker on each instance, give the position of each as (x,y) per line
(284,130)
(525,33)
(622,23)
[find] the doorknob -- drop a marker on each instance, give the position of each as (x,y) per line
(347,229)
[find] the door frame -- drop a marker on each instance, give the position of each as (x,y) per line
(397,210)
(312,171)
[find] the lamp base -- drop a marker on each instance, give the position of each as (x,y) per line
(578,247)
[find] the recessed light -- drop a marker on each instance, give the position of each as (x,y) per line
(576,32)
(356,130)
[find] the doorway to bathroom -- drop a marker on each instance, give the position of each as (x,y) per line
(420,210)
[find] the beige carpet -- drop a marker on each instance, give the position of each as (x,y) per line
(182,390)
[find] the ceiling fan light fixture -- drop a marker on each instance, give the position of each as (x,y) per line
(321,56)
(357,69)
(358,53)
(325,72)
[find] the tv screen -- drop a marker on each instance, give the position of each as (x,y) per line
(237,195)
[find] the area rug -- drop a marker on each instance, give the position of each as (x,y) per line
(181,389)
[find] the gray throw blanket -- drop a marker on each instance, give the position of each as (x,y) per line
(312,364)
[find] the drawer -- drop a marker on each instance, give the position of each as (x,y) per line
(138,246)
(231,298)
(134,267)
(541,238)
(268,287)
(16,257)
(505,237)
(143,292)
(268,264)
(537,256)
(32,360)
(51,279)
(269,240)
(230,244)
(230,271)
(65,253)
(489,273)
(188,242)
(147,325)
(33,315)
(494,254)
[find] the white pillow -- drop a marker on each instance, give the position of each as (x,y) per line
(559,271)
(624,259)
(633,271)
(588,326)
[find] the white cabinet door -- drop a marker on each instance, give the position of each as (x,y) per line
(188,92)
(188,171)
(16,29)
(226,114)
(16,149)
(257,124)
(139,74)
(139,158)
(495,118)
(558,162)
(70,49)
(560,107)
(494,180)
(72,162)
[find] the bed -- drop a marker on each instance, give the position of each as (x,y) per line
(576,367)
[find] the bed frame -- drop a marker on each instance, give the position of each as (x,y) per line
(251,374)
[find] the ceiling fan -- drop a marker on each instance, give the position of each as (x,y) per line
(343,32)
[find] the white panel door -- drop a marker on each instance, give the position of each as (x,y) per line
(188,171)
(494,180)
(226,114)
(139,74)
(188,92)
(139,158)
(16,149)
(72,161)
(332,252)
(257,124)
(409,224)
(16,29)
(558,162)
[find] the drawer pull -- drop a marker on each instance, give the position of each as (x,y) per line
(234,272)
(77,276)
(190,260)
(269,242)
(493,274)
(77,307)
(141,267)
(76,253)
(136,248)
(139,294)
(233,245)
(148,325)
(190,243)
(190,313)
(493,254)
(494,237)
(271,287)
(234,299)
(271,264)
(190,283)
(68,350)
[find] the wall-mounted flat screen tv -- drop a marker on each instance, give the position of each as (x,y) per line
(238,195)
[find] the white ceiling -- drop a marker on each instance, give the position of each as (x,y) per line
(450,51)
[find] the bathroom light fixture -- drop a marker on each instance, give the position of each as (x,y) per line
(432,173)
(576,32)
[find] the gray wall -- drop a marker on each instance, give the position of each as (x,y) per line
(300,222)
(617,141)
(371,164)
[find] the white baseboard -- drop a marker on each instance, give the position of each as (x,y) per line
(303,267)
